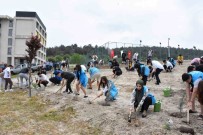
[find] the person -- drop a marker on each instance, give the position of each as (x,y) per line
(167,66)
(200,98)
(81,80)
(123,57)
(23,74)
(7,78)
(69,77)
(149,55)
(172,61)
(197,61)
(135,57)
(1,79)
(108,89)
(143,71)
(129,66)
(114,63)
(192,79)
(42,79)
(116,71)
(180,59)
(141,95)
(94,75)
(157,68)
(56,80)
(199,68)
(190,68)
(83,68)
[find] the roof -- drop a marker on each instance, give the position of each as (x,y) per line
(5,17)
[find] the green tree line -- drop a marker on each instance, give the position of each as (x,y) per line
(74,53)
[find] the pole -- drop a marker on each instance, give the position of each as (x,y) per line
(168,48)
(140,49)
(160,50)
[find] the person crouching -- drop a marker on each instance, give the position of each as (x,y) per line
(140,95)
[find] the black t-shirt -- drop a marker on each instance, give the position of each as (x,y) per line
(67,75)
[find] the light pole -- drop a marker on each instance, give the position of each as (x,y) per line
(168,48)
(160,50)
(140,49)
(194,47)
(178,49)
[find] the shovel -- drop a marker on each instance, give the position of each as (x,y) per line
(90,102)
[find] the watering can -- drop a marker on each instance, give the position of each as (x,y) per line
(157,106)
(167,92)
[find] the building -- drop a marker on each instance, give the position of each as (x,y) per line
(14,32)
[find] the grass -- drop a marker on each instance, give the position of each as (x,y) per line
(27,116)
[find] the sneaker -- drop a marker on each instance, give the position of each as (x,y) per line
(11,90)
(144,114)
(69,92)
(191,111)
(6,90)
(85,96)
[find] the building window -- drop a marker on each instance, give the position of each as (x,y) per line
(10,32)
(10,23)
(37,25)
(9,50)
(9,41)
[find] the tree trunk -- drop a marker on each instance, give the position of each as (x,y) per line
(29,68)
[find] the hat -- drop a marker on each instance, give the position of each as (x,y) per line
(140,82)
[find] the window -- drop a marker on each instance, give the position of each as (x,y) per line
(10,23)
(9,50)
(37,25)
(9,41)
(10,32)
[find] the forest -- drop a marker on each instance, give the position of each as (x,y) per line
(79,54)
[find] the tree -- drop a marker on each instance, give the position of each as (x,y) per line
(33,45)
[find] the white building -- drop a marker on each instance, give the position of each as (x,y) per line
(14,32)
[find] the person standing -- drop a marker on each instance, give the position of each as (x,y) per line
(143,71)
(7,77)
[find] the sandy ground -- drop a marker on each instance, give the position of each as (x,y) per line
(113,119)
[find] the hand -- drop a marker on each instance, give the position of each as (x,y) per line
(189,104)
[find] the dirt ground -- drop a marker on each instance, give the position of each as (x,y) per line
(113,119)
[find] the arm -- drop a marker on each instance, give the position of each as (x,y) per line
(188,91)
(63,83)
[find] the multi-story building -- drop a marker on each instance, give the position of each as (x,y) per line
(14,32)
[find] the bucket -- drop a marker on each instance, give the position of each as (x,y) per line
(157,106)
(167,92)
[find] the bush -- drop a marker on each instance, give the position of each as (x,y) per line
(77,59)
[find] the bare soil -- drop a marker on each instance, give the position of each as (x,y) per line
(95,118)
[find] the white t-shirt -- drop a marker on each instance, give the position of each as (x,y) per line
(196,83)
(169,64)
(7,72)
(83,68)
(43,78)
(156,64)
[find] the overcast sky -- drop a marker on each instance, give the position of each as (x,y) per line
(99,21)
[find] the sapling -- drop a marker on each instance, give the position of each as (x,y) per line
(181,103)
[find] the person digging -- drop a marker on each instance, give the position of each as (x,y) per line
(141,98)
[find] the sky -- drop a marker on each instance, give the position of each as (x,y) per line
(97,22)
